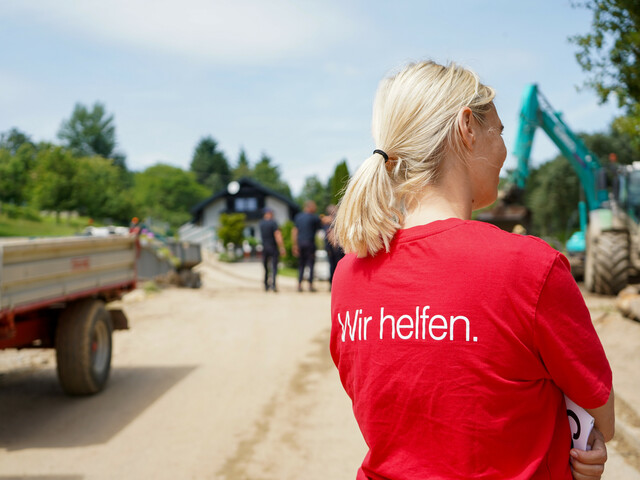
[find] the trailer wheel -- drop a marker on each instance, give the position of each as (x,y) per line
(83,347)
(610,262)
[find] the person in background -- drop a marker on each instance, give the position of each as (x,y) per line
(272,248)
(303,239)
(455,340)
(334,251)
(134,225)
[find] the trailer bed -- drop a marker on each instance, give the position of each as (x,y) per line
(42,271)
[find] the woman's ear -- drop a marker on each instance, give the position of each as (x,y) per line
(465,124)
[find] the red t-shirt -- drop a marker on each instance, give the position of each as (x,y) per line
(456,347)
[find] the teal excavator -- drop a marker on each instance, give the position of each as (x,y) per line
(607,244)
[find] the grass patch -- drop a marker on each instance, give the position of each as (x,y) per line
(288,272)
(150,287)
(46,226)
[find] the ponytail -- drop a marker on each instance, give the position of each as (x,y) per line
(367,217)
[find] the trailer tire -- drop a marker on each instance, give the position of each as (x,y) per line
(610,262)
(83,347)
(196,280)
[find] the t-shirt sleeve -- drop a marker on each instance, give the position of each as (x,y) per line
(567,341)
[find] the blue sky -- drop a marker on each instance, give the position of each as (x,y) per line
(292,79)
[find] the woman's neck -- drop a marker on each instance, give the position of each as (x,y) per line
(450,198)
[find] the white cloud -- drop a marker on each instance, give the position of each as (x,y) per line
(227,31)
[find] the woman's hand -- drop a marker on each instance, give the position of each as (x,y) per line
(589,465)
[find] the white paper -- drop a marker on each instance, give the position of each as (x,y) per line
(580,423)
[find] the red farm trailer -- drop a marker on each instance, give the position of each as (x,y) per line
(54,293)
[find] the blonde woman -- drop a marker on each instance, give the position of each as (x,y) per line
(456,340)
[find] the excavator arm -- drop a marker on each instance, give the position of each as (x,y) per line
(603,250)
(536,112)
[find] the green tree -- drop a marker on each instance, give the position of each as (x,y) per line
(99,190)
(231,228)
(210,165)
(269,175)
(610,54)
(242,168)
(614,142)
(13,139)
(552,195)
(338,181)
(629,125)
(314,189)
(167,193)
(91,132)
(53,182)
(15,171)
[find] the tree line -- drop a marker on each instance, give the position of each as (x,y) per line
(86,173)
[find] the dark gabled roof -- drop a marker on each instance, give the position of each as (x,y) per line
(244,182)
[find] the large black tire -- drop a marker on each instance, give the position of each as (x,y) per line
(589,269)
(83,347)
(610,262)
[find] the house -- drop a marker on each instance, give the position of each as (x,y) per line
(243,196)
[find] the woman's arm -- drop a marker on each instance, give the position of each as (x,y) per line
(605,418)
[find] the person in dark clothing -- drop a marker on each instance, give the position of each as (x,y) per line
(272,248)
(303,237)
(334,251)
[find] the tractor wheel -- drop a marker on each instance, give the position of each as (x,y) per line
(610,262)
(589,268)
(83,347)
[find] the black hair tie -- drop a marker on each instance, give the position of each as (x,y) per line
(386,157)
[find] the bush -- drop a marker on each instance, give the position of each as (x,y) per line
(225,257)
(289,260)
(232,228)
(150,287)
(14,211)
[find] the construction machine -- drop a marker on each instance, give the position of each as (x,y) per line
(606,248)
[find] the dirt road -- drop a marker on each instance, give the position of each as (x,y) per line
(226,382)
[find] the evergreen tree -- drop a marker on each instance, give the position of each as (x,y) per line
(269,176)
(242,168)
(338,182)
(314,189)
(210,165)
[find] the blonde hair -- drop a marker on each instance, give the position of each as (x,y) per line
(415,122)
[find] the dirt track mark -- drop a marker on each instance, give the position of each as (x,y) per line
(289,407)
(626,439)
(235,467)
(317,362)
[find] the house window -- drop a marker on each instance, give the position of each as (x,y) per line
(249,204)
